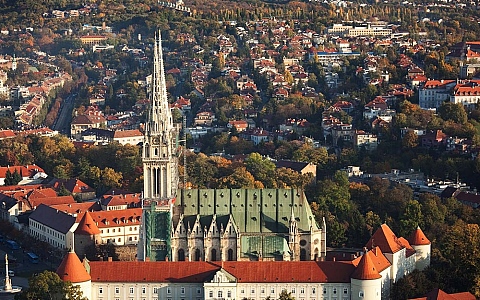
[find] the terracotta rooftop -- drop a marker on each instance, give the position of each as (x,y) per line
(286,271)
(366,269)
(243,271)
(87,226)
(25,171)
(418,238)
(385,239)
(135,271)
(71,269)
(438,294)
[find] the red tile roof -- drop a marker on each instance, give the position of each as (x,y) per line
(87,226)
(6,134)
(385,239)
(287,271)
(378,258)
(366,269)
(25,171)
(126,133)
(438,294)
(243,271)
(49,201)
(76,208)
(418,238)
(71,269)
(117,218)
(135,271)
(408,248)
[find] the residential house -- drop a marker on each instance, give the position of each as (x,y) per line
(83,122)
(240,125)
(204,118)
(79,189)
(132,137)
(342,132)
(256,135)
(434,139)
(434,93)
(28,173)
(365,140)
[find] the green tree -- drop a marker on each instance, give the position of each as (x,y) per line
(48,286)
(12,178)
(284,295)
(262,169)
(449,111)
(411,217)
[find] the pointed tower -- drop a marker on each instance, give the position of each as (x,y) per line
(86,234)
(422,247)
(366,281)
(160,167)
(71,269)
(293,237)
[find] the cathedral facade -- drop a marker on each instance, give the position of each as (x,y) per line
(214,224)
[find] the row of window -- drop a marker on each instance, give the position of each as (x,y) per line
(49,231)
(302,291)
(130,239)
(119,229)
(155,290)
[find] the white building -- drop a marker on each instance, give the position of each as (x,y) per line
(367,277)
(434,93)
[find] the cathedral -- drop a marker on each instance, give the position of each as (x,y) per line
(214,224)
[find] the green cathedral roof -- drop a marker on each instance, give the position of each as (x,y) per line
(253,210)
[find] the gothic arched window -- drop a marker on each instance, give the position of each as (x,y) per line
(213,256)
(230,255)
(181,255)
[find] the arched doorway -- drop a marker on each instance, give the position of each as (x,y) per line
(230,255)
(181,255)
(213,255)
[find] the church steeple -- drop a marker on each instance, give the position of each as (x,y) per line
(159,147)
(160,167)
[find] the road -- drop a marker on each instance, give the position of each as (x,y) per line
(62,123)
(22,267)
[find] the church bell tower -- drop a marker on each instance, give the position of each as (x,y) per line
(160,167)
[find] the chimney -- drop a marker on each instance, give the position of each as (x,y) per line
(109,259)
(334,258)
(166,258)
(147,258)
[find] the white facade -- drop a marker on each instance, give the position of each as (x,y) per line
(146,290)
(53,237)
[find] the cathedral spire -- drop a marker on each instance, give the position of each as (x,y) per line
(160,116)
(159,149)
(160,167)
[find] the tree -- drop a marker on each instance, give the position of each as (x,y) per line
(262,169)
(453,112)
(410,140)
(411,217)
(12,178)
(284,295)
(48,286)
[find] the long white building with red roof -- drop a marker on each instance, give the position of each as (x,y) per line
(434,92)
(386,259)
